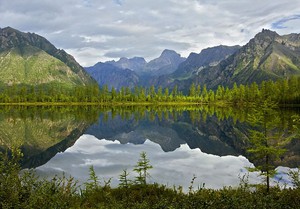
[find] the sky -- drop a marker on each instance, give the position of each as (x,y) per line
(94,31)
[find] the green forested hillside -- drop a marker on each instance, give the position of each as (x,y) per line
(29,59)
(268,56)
(32,66)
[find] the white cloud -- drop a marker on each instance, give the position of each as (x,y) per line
(145,28)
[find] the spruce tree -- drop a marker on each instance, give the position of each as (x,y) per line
(141,168)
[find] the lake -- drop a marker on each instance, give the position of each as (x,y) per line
(208,143)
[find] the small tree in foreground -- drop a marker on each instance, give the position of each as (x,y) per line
(124,181)
(93,182)
(141,168)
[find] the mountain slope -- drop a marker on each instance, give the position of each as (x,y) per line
(207,57)
(188,69)
(27,58)
(112,76)
(266,56)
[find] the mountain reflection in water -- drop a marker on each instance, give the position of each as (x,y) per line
(179,145)
(208,142)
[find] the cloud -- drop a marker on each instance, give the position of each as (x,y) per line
(145,28)
(119,2)
(170,168)
(283,23)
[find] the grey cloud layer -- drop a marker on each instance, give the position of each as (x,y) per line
(101,30)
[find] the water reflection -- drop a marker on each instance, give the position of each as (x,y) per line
(180,144)
(170,168)
(205,141)
(41,132)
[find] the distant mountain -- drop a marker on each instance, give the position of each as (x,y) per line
(135,71)
(27,58)
(112,76)
(268,56)
(166,63)
(136,63)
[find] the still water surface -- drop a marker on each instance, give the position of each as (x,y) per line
(210,144)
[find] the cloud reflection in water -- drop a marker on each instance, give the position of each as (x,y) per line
(170,168)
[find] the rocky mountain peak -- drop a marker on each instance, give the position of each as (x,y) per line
(264,38)
(139,60)
(135,63)
(123,59)
(169,54)
(11,38)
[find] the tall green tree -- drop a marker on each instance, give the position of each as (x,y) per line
(267,139)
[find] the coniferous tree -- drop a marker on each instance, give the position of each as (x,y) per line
(124,181)
(192,92)
(266,138)
(141,168)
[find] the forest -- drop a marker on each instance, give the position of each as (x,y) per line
(283,92)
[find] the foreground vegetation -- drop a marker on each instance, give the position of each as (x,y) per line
(25,190)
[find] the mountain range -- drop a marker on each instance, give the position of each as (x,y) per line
(134,71)
(193,65)
(267,56)
(159,71)
(30,59)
